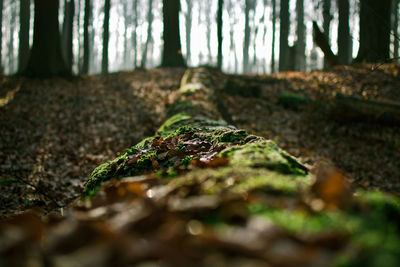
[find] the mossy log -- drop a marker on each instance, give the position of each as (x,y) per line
(353,108)
(196,131)
(218,189)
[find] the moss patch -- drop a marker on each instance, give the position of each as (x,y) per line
(265,154)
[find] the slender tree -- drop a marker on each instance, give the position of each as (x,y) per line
(248,6)
(24,23)
(68,25)
(149,37)
(11,52)
(219,32)
(207,10)
(344,38)
(134,36)
(273,36)
(106,36)
(1,35)
(283,36)
(172,53)
(86,38)
(301,42)
(395,28)
(46,58)
(374,33)
(188,28)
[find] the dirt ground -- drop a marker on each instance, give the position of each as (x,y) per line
(55,132)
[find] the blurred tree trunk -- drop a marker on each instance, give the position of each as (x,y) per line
(219,31)
(127,22)
(172,53)
(46,58)
(149,25)
(395,28)
(208,23)
(246,44)
(344,38)
(134,36)
(327,17)
(374,31)
(300,48)
(67,34)
(86,51)
(106,36)
(11,58)
(1,35)
(283,36)
(24,22)
(188,29)
(273,36)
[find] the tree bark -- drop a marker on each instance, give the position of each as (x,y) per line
(106,35)
(246,44)
(11,52)
(219,30)
(68,26)
(273,36)
(300,43)
(327,17)
(374,31)
(46,57)
(322,41)
(134,36)
(24,22)
(172,53)
(344,38)
(150,23)
(86,38)
(283,36)
(1,35)
(395,29)
(188,29)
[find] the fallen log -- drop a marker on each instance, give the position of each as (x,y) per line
(354,108)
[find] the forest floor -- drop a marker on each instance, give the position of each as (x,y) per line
(235,200)
(55,132)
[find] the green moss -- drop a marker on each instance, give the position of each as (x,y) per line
(265,154)
(292,101)
(173,122)
(232,136)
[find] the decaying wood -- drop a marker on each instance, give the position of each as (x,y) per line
(353,108)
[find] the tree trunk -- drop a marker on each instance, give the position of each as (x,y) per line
(344,38)
(283,36)
(326,13)
(134,36)
(301,43)
(11,52)
(86,51)
(1,35)
(273,36)
(395,29)
(208,22)
(322,41)
(172,53)
(24,22)
(374,33)
(68,25)
(188,29)
(106,35)
(246,44)
(46,58)
(219,30)
(150,23)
